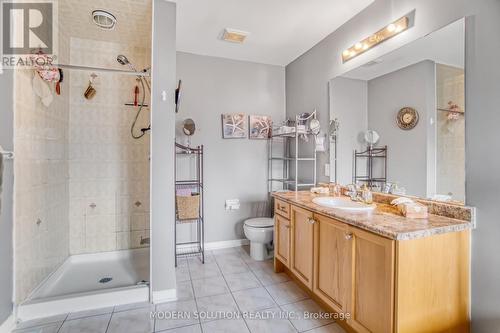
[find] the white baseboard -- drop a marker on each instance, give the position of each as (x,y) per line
(8,325)
(162,296)
(226,244)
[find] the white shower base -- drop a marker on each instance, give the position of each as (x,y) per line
(75,285)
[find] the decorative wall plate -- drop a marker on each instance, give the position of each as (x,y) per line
(407,118)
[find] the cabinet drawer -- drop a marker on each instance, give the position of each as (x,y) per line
(282,208)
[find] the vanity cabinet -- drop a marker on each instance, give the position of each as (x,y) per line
(381,285)
(302,234)
(282,239)
(371,305)
(332,262)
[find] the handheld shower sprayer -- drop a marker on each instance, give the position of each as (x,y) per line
(123,60)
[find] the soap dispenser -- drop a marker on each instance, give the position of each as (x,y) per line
(366,194)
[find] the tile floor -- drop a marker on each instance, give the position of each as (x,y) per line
(236,293)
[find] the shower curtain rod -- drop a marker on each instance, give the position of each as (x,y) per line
(100,69)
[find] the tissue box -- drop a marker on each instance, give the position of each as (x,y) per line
(413,210)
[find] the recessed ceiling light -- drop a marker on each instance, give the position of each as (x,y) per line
(234,36)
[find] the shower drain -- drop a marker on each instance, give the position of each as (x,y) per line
(105,280)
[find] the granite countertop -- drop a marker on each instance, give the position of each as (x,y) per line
(385,220)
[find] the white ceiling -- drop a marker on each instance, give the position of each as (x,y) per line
(280,30)
(444,46)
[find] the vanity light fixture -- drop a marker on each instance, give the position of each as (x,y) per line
(380,36)
(234,36)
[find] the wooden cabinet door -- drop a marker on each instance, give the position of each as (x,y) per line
(372,282)
(332,262)
(282,239)
(302,232)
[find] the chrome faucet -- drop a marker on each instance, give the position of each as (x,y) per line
(353,192)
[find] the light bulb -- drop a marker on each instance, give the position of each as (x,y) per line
(391,27)
(358,46)
(346,53)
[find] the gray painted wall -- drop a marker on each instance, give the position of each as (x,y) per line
(162,149)
(306,88)
(482,99)
(6,221)
(412,86)
(234,168)
(348,104)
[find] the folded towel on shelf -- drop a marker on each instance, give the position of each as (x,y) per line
(184,192)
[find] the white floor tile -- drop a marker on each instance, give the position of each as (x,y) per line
(177,314)
(210,287)
(182,273)
(241,281)
(225,325)
(204,271)
(132,321)
(312,309)
(287,292)
(186,329)
(267,277)
(332,328)
(266,265)
(184,291)
(216,307)
(96,324)
(271,320)
(48,328)
(253,299)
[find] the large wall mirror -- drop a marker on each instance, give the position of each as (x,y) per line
(401,124)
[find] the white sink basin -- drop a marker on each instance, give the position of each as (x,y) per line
(343,203)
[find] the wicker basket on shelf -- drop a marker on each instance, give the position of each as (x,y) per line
(188,207)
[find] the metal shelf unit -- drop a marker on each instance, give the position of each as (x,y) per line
(369,156)
(197,246)
(287,180)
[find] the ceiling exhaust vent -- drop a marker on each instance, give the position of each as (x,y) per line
(234,36)
(104,19)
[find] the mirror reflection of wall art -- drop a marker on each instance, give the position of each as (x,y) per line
(260,127)
(234,126)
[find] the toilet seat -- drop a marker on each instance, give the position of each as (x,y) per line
(260,222)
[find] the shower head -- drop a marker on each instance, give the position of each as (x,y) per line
(122,60)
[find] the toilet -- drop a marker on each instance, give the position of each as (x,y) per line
(260,233)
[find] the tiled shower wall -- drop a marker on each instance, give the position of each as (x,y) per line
(41,188)
(108,193)
(450,152)
(109,171)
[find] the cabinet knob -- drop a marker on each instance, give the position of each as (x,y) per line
(312,221)
(348,235)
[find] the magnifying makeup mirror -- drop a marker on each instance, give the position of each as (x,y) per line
(188,127)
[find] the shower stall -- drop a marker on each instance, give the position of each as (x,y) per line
(82,167)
